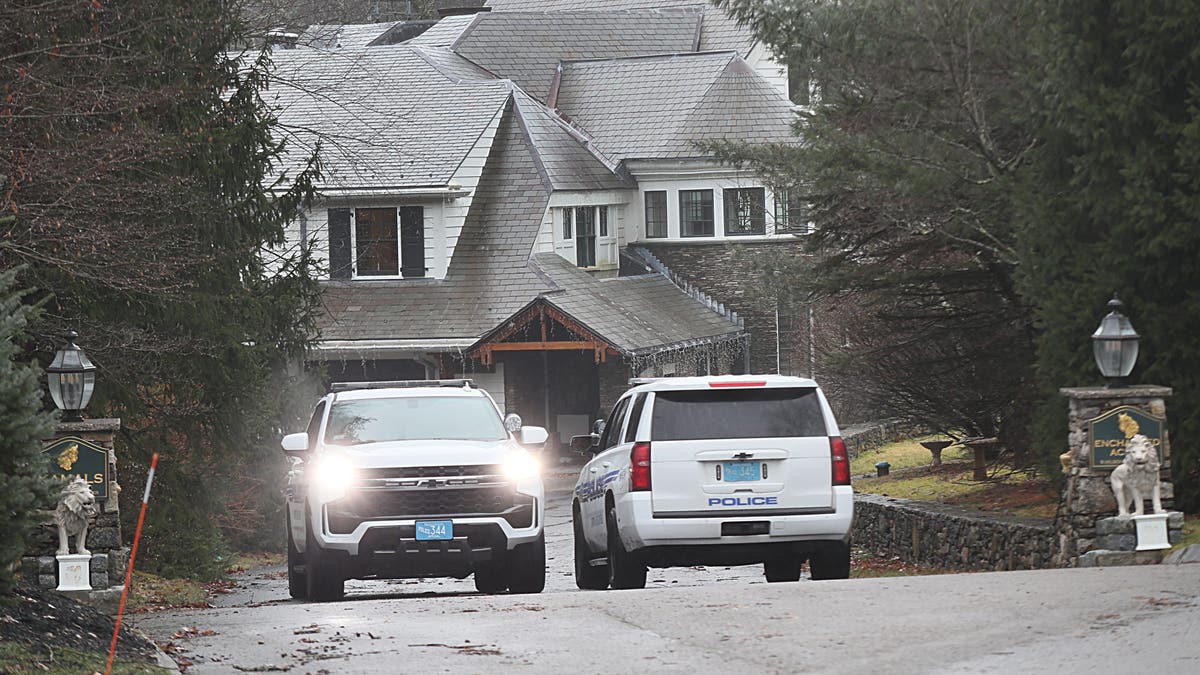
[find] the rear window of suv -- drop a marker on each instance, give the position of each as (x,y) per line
(736,413)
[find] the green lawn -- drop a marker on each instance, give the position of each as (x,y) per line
(20,658)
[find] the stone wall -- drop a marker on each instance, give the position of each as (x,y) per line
(110,556)
(949,536)
(861,438)
(1087,496)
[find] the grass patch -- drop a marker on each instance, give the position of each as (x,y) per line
(1021,493)
(906,454)
(1191,531)
(150,592)
(22,658)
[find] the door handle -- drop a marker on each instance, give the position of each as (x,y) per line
(593,469)
(606,464)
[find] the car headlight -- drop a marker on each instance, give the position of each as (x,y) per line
(521,465)
(332,476)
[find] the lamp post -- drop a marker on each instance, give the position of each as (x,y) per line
(1115,346)
(71,377)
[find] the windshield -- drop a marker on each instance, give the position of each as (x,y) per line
(414,418)
(736,413)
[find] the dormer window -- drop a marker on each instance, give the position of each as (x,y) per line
(587,236)
(696,213)
(377,242)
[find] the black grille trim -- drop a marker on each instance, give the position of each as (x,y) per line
(447,471)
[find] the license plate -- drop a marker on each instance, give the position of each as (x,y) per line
(739,472)
(435,530)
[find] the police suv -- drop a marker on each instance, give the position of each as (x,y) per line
(728,470)
(414,479)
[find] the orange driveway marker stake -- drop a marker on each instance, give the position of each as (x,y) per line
(137,535)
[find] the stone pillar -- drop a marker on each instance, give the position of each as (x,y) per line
(109,555)
(1085,533)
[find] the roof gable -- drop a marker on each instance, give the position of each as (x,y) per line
(386,117)
(656,107)
(527,47)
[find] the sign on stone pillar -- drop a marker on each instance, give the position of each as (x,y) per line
(1100,421)
(85,449)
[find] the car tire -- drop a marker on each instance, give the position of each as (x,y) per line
(782,569)
(297,583)
(490,577)
(323,578)
(587,577)
(624,569)
(527,567)
(831,560)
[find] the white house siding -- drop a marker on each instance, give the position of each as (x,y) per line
(770,69)
(467,177)
(492,383)
(550,236)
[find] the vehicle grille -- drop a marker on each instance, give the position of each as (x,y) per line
(450,471)
(345,514)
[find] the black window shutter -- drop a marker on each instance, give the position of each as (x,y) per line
(339,244)
(412,241)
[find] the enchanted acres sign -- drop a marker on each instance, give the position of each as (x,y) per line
(1109,433)
(71,457)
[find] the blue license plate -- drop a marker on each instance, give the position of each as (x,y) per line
(435,530)
(739,472)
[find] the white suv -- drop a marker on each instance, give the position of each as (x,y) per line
(414,479)
(728,470)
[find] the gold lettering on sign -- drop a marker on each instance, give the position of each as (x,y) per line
(68,457)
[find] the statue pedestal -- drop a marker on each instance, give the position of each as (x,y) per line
(74,572)
(1151,532)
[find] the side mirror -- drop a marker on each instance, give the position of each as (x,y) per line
(512,423)
(295,444)
(586,443)
(534,436)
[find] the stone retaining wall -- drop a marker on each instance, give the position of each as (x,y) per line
(868,437)
(949,536)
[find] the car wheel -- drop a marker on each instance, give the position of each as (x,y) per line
(490,578)
(324,579)
(587,577)
(624,569)
(831,560)
(782,569)
(527,567)
(297,583)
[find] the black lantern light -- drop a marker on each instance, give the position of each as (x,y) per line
(1115,345)
(71,377)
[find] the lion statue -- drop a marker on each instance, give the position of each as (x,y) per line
(75,510)
(1137,477)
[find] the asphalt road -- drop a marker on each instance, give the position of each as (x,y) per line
(706,620)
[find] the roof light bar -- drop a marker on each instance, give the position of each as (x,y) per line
(740,383)
(464,383)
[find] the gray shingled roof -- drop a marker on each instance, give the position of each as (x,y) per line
(637,314)
(718,32)
(386,117)
(657,107)
(527,47)
(561,152)
(490,276)
(343,35)
(445,32)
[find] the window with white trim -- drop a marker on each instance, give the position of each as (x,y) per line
(745,211)
(790,214)
(656,214)
(696,213)
(377,242)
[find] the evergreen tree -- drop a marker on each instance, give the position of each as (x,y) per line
(1115,205)
(140,166)
(25,486)
(907,160)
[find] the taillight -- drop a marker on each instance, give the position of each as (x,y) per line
(748,383)
(840,460)
(639,467)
